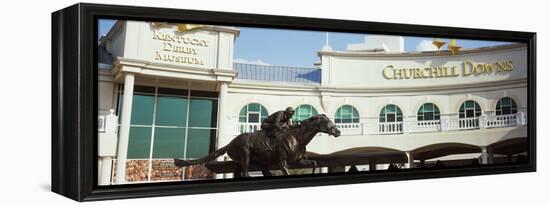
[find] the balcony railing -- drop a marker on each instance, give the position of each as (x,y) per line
(460,124)
(423,126)
(376,128)
(390,127)
(350,128)
(503,120)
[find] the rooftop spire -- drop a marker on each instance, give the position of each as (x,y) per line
(327,46)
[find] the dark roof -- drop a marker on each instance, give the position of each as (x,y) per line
(443,149)
(510,146)
(277,73)
(365,150)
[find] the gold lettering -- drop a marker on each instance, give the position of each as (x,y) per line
(156,35)
(435,73)
(385,72)
(443,71)
(453,72)
(489,68)
(418,73)
(467,68)
(158,56)
(167,46)
(407,71)
(398,72)
(428,72)
(501,66)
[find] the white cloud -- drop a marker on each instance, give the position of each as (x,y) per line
(257,61)
(425,45)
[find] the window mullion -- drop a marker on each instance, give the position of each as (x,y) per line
(187,112)
(150,167)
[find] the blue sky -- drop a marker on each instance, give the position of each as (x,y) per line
(299,48)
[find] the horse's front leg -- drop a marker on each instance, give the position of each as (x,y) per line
(244,163)
(265,170)
(283,165)
(308,162)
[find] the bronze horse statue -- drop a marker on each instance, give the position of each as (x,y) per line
(289,147)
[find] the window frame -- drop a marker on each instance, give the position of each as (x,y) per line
(338,118)
(248,112)
(499,108)
(187,94)
(463,110)
(397,111)
(422,114)
(312,112)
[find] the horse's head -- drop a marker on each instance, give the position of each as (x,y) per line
(324,124)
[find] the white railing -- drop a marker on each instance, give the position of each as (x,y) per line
(502,120)
(460,124)
(366,128)
(423,126)
(390,127)
(350,128)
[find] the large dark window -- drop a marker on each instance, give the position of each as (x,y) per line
(469,109)
(346,114)
(253,113)
(506,106)
(171,123)
(304,112)
(428,111)
(391,113)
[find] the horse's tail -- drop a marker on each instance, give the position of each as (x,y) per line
(210,157)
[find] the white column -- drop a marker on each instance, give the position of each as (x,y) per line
(124,132)
(222,134)
(405,125)
(444,122)
(410,163)
(324,170)
(483,121)
(484,155)
(105,172)
(521,118)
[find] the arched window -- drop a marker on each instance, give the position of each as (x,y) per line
(303,112)
(428,111)
(346,114)
(506,106)
(469,109)
(253,113)
(391,113)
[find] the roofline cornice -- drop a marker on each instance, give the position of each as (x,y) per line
(442,53)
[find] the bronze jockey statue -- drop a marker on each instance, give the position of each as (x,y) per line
(277,121)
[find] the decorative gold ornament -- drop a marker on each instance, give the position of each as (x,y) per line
(183,27)
(438,43)
(158,24)
(453,47)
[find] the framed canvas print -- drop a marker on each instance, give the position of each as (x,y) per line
(155,102)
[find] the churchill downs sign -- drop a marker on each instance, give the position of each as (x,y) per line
(467,68)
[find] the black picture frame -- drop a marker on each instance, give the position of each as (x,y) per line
(74,100)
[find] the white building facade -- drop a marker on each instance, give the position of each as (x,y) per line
(189,98)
